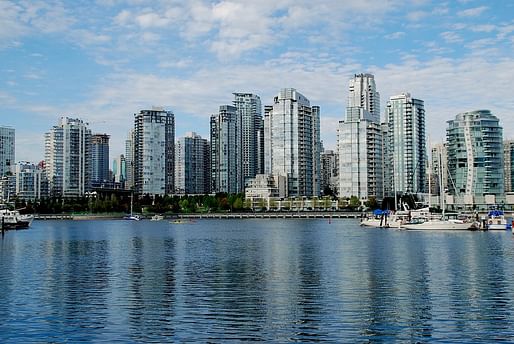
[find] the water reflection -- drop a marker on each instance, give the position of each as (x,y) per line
(246,280)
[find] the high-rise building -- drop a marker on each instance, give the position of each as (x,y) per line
(100,159)
(249,107)
(226,151)
(360,142)
(7,141)
(407,149)
(30,181)
(129,160)
(387,164)
(475,158)
(329,171)
(508,162)
(292,146)
(192,165)
(119,170)
(154,145)
(68,158)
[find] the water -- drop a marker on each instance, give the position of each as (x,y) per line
(253,280)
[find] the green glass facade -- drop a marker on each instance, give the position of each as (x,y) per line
(475,157)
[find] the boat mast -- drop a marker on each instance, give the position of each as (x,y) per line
(442,194)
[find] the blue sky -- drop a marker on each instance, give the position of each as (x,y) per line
(104,60)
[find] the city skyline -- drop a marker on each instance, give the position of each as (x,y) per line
(190,57)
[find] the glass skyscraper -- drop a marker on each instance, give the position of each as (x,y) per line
(226,151)
(6,150)
(68,158)
(192,165)
(407,149)
(249,107)
(360,141)
(154,143)
(475,157)
(100,159)
(292,145)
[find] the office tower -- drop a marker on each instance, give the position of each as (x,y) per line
(192,165)
(475,158)
(30,181)
(7,141)
(291,142)
(68,158)
(100,159)
(329,171)
(119,170)
(154,145)
(407,143)
(360,142)
(508,161)
(226,150)
(129,160)
(249,108)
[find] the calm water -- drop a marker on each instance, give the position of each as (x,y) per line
(253,280)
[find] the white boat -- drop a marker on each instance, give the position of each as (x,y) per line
(132,217)
(438,224)
(386,218)
(157,217)
(497,221)
(12,219)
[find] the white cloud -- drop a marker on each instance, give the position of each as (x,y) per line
(472,12)
(451,37)
(395,35)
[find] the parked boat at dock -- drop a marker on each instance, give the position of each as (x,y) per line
(12,219)
(496,221)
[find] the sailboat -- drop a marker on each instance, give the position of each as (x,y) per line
(441,223)
(132,217)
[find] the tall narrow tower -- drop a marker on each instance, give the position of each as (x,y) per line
(360,142)
(226,151)
(249,109)
(100,159)
(407,151)
(6,150)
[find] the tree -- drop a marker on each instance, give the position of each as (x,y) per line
(354,202)
(371,203)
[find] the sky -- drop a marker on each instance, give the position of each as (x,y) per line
(102,61)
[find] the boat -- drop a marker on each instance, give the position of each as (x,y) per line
(12,219)
(379,219)
(132,217)
(496,220)
(387,219)
(438,224)
(157,217)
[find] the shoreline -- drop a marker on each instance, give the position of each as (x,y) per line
(266,215)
